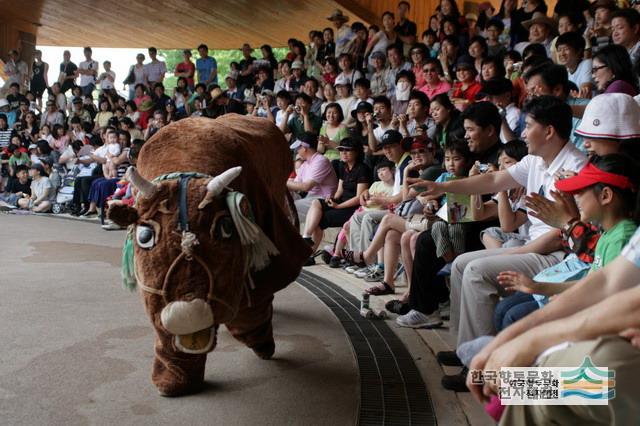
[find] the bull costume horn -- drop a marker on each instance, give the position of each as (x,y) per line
(145,188)
(218,184)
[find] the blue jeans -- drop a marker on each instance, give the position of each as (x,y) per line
(88,89)
(512,308)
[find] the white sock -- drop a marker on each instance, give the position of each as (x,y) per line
(306,236)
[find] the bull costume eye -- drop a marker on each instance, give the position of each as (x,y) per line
(145,237)
(224,228)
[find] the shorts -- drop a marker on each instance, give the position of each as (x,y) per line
(334,218)
(508,239)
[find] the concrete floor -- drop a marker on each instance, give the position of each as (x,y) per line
(78,348)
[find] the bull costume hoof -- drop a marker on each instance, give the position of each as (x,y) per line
(210,241)
(265,350)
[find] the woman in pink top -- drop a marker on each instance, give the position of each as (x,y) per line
(419,54)
(434,85)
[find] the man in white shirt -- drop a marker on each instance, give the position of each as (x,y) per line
(155,70)
(474,286)
(88,71)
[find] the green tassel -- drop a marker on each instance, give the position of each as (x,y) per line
(128,265)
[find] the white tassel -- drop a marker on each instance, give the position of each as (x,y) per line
(259,246)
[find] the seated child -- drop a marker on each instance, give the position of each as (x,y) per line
(507,205)
(383,188)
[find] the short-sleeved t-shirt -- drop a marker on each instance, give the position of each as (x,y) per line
(318,169)
(612,242)
(205,66)
(38,187)
(532,173)
(379,189)
(296,124)
(86,80)
(332,153)
(631,251)
(189,68)
(155,70)
(359,173)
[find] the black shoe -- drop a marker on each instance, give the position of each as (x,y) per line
(397,307)
(456,382)
(83,211)
(326,257)
(335,262)
(449,358)
(310,262)
(308,241)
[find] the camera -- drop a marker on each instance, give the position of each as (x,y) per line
(376,115)
(483,168)
(297,109)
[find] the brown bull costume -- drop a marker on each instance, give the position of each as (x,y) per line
(212,241)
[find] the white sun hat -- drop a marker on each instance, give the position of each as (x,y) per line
(611,116)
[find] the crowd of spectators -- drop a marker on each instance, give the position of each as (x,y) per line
(489,160)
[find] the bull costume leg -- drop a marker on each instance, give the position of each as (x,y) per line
(252,326)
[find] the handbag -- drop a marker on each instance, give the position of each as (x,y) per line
(131,78)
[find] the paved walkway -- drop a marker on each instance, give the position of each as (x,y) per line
(78,348)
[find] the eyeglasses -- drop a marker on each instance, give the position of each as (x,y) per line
(419,151)
(596,69)
(430,70)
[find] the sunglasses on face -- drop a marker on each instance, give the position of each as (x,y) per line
(430,70)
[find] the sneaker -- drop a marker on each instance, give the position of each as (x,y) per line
(456,382)
(449,358)
(376,275)
(397,307)
(308,240)
(310,262)
(352,269)
(111,227)
(445,309)
(416,319)
(446,270)
(364,271)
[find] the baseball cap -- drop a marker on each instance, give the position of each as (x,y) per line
(390,137)
(297,65)
(341,80)
(590,175)
(349,144)
(363,106)
(417,142)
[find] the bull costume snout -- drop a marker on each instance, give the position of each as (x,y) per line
(210,246)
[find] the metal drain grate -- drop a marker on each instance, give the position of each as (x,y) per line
(392,391)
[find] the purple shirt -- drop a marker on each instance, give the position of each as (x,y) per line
(621,86)
(318,169)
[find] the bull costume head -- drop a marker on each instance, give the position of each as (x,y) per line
(177,238)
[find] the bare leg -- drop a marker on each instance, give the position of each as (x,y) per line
(407,255)
(390,221)
(93,207)
(312,222)
(43,207)
(490,243)
(391,255)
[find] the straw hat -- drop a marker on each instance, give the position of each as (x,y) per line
(541,18)
(611,116)
(338,16)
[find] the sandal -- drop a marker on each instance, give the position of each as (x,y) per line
(377,291)
(397,307)
(348,257)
